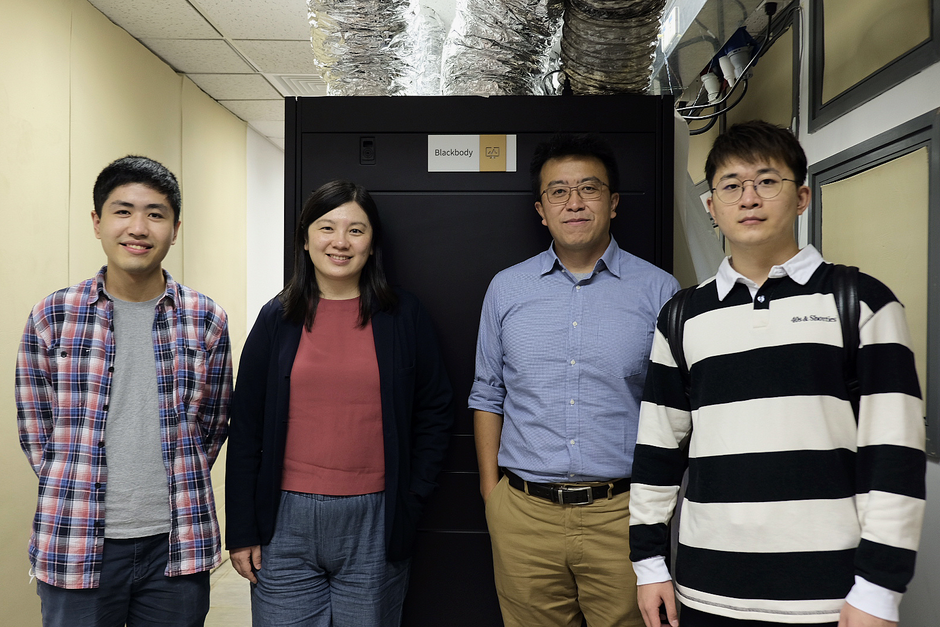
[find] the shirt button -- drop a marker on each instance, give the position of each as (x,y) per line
(100,444)
(571,401)
(572,441)
(572,362)
(575,323)
(64,354)
(97,485)
(105,408)
(577,287)
(760,299)
(111,369)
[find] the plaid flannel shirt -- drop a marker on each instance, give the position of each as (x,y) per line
(63,385)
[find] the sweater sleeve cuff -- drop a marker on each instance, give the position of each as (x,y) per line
(873,599)
(651,570)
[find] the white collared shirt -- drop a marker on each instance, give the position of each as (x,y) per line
(800,267)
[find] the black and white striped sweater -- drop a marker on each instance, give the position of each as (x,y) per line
(789,497)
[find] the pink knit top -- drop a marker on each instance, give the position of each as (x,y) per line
(334,430)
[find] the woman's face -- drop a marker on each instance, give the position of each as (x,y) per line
(339,243)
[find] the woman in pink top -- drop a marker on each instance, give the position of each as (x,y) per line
(340,421)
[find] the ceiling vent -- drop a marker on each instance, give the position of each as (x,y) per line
(300,84)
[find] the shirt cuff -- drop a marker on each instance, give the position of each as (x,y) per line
(651,570)
(877,601)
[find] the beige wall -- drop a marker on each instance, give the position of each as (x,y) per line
(863,36)
(889,245)
(80,93)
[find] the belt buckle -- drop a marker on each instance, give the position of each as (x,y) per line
(589,490)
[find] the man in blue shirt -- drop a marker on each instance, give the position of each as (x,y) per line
(561,359)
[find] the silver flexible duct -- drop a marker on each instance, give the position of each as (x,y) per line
(607,46)
(500,47)
(428,33)
(494,47)
(360,47)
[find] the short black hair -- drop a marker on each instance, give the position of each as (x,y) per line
(567,145)
(755,141)
(135,169)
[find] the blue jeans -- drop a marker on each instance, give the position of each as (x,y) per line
(133,590)
(326,565)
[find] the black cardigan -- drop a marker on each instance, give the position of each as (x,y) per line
(417,414)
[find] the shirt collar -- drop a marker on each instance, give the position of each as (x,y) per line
(800,267)
(171,291)
(610,259)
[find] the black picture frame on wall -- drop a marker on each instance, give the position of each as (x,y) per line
(897,71)
(923,131)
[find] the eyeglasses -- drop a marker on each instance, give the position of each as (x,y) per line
(767,186)
(559,194)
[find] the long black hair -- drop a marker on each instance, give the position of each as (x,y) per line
(302,294)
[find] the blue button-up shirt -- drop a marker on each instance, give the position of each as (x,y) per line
(564,361)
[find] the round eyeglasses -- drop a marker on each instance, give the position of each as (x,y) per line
(767,186)
(559,194)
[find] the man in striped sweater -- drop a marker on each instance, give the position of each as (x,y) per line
(797,511)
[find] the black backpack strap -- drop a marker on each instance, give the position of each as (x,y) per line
(845,292)
(676,314)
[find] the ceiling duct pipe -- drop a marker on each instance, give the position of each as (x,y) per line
(361,48)
(607,46)
(501,47)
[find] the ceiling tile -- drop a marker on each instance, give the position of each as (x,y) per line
(199,55)
(235,86)
(279,57)
(268,128)
(252,110)
(259,19)
(171,19)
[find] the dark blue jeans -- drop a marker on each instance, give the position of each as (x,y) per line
(133,591)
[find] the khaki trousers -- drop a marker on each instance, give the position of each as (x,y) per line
(556,563)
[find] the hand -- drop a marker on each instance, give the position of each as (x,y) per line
(486,486)
(246,561)
(651,596)
(851,616)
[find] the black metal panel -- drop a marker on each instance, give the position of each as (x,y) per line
(447,234)
(454,573)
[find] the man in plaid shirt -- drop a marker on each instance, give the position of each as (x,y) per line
(122,394)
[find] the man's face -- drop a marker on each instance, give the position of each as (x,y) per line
(754,223)
(577,225)
(136,230)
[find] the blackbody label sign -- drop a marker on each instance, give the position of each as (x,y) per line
(471,153)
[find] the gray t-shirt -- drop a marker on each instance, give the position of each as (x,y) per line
(137,496)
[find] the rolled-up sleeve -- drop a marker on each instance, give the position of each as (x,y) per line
(489,389)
